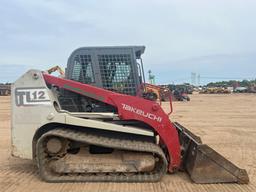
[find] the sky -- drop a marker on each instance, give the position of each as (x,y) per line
(215,39)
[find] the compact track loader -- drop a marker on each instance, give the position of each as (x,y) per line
(109,137)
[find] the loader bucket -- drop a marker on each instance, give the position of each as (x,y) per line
(203,164)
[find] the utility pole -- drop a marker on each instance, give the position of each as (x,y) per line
(198,79)
(151,78)
(193,78)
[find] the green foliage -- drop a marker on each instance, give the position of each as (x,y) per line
(231,83)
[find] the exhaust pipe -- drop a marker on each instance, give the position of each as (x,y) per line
(205,165)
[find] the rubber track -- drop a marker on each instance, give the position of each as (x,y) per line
(155,175)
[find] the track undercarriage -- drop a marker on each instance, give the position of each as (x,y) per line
(69,155)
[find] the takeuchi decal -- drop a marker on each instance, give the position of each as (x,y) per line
(142,113)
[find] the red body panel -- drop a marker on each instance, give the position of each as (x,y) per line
(131,108)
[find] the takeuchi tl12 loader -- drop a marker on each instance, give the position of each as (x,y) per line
(91,126)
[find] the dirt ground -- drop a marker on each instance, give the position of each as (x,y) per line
(226,122)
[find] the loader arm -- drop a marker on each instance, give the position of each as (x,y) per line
(131,108)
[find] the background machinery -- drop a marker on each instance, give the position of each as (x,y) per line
(215,90)
(80,132)
(181,92)
(58,69)
(5,89)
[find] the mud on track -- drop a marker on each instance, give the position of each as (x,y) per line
(226,122)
